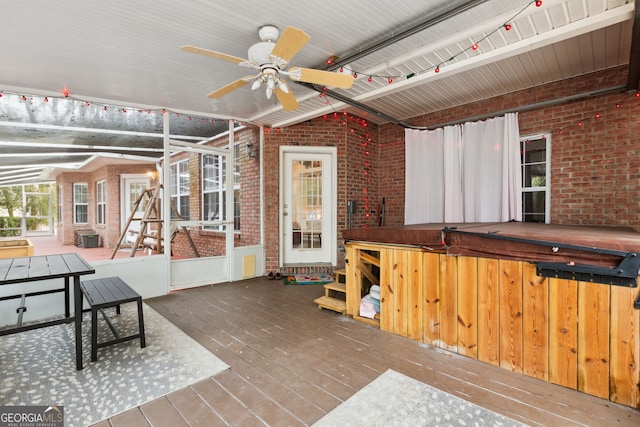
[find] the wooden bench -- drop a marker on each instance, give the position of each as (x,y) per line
(105,293)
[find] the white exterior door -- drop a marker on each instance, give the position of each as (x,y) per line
(308,189)
(132,187)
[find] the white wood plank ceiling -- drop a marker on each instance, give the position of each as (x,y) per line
(125,54)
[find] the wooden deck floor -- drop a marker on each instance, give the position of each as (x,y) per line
(291,363)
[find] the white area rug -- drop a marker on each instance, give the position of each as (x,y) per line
(394,399)
(38,367)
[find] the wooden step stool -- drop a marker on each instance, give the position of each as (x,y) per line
(334,294)
(105,293)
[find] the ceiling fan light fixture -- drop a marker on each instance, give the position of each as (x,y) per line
(260,53)
(271,58)
(268,33)
(256,83)
(282,86)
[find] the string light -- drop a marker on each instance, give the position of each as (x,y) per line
(332,59)
(66,95)
(473,46)
(581,123)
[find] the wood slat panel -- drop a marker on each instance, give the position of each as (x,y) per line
(387,290)
(415,320)
(468,306)
(593,338)
(489,311)
(535,323)
(449,303)
(162,412)
(400,300)
(511,315)
(563,332)
(369,259)
(624,382)
(353,280)
(431,296)
(366,271)
(580,335)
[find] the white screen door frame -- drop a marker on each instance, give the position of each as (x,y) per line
(129,182)
(315,240)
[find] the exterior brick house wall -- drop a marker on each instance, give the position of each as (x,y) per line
(109,232)
(354,140)
(595,168)
(209,243)
(213,243)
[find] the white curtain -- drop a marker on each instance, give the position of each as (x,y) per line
(464,173)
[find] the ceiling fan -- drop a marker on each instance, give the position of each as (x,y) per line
(271,59)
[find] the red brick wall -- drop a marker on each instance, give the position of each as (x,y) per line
(391,172)
(595,173)
(315,132)
(65,226)
(110,232)
(212,243)
(595,168)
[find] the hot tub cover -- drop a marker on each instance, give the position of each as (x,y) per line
(590,245)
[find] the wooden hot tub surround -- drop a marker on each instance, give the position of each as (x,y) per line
(575,327)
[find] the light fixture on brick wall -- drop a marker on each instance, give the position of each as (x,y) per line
(252,153)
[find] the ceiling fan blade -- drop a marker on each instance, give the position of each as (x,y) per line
(286,99)
(326,78)
(289,43)
(230,87)
(213,54)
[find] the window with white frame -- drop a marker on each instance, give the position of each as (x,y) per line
(101,203)
(60,217)
(213,189)
(179,188)
(81,203)
(536,190)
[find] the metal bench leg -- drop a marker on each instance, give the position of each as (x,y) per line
(94,334)
(143,342)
